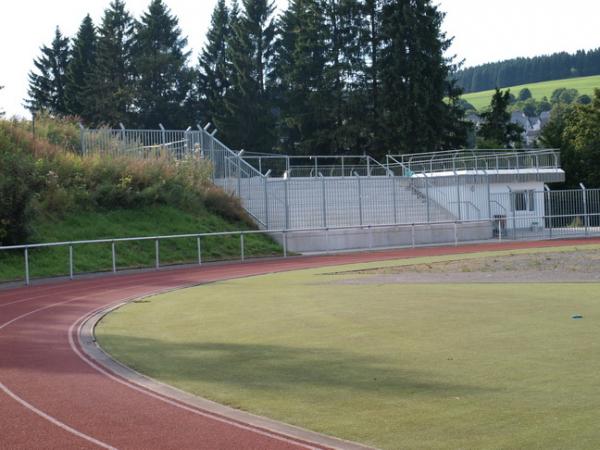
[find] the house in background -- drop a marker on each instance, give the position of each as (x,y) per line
(532,126)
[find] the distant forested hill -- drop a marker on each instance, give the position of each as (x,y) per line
(520,71)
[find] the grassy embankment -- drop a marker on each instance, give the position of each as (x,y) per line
(585,85)
(148,221)
(50,194)
(420,366)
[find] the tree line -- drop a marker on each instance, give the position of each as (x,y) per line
(324,76)
(518,71)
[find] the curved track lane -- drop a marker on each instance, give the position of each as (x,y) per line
(51,396)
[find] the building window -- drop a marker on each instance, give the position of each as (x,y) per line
(523,201)
(520,201)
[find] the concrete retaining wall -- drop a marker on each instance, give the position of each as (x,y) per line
(398,236)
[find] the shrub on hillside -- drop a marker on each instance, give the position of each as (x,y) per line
(54,181)
(16,191)
(226,205)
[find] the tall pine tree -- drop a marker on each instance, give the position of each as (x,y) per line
(304,88)
(497,129)
(110,90)
(47,80)
(414,74)
(343,20)
(163,80)
(80,70)
(370,75)
(214,65)
(248,122)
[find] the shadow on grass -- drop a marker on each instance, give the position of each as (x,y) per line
(275,368)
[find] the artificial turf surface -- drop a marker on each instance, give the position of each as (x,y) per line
(394,366)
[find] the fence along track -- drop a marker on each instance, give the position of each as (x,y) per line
(324,191)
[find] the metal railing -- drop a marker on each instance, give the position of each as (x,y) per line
(284,191)
(283,233)
(562,222)
(316,165)
(454,161)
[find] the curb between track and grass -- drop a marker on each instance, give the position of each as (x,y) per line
(95,356)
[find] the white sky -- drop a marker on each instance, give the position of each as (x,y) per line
(484,30)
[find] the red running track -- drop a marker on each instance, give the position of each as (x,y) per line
(53,397)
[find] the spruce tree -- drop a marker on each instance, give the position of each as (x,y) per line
(303,82)
(80,69)
(371,40)
(497,129)
(248,121)
(47,80)
(110,90)
(414,74)
(214,65)
(343,18)
(163,81)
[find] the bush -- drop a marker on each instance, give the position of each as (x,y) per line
(226,205)
(40,176)
(16,192)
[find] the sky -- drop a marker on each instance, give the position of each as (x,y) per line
(483,31)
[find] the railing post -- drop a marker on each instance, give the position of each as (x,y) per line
(427,197)
(81,136)
(549,197)
(324,199)
(412,235)
(360,207)
(455,234)
(242,247)
(239,178)
(394,199)
(458,194)
(157,254)
(368,166)
(266,188)
(199,246)
(163,139)
(585,208)
(26,266)
(513,209)
(201,140)
(343,170)
(284,239)
(287,202)
(70,262)
(114,257)
(489,195)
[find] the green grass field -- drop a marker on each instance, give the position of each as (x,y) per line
(419,366)
(585,85)
(149,221)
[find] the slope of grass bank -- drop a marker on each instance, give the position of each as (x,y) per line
(585,85)
(148,221)
(49,192)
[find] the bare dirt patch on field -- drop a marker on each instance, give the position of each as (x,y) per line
(560,267)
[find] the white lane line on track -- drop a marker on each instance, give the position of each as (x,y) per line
(37,411)
(274,435)
(54,421)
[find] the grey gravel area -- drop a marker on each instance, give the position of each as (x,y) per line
(560,267)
